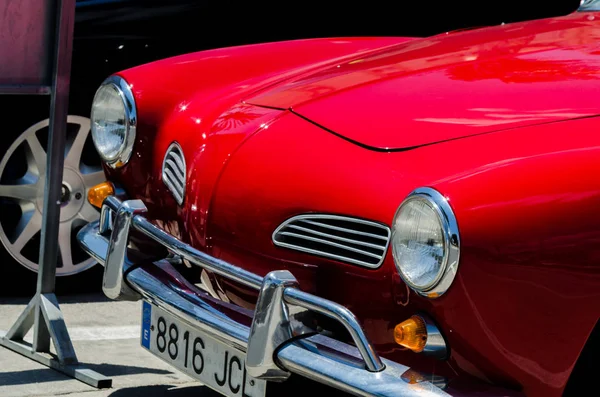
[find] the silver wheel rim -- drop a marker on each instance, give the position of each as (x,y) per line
(28,193)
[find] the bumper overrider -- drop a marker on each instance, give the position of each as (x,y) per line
(277,342)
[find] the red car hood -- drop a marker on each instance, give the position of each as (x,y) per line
(454,85)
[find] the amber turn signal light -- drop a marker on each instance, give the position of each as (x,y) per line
(412,334)
(98,193)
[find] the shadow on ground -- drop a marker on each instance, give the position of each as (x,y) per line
(92,297)
(203,391)
(166,391)
(49,375)
(16,281)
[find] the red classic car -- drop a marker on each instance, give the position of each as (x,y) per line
(386,216)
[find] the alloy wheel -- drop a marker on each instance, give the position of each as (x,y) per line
(24,190)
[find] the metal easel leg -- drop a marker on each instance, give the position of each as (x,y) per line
(43,312)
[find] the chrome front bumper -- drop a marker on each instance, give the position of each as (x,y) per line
(277,342)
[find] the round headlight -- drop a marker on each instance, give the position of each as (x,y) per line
(425,242)
(114,121)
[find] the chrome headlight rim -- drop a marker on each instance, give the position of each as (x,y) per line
(451,239)
(124,90)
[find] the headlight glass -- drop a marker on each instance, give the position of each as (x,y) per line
(110,128)
(418,245)
(113,121)
(425,242)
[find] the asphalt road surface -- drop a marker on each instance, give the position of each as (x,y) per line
(106,338)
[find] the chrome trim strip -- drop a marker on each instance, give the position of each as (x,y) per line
(326,242)
(341,229)
(310,219)
(173,180)
(333,236)
(176,157)
(174,171)
(332,256)
(124,90)
(322,362)
(173,167)
(173,190)
(451,236)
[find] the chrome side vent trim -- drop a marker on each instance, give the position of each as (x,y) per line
(174,172)
(351,240)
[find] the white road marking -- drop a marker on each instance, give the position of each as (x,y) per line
(105,333)
(99,333)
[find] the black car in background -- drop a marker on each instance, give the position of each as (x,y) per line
(112,35)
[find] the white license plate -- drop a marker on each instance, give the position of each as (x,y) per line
(193,352)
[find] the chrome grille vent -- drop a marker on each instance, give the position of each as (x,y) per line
(173,171)
(345,239)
